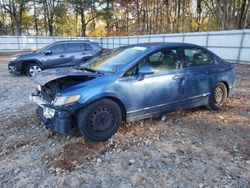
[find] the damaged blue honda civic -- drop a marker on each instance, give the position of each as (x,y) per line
(131,83)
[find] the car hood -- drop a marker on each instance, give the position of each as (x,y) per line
(25,54)
(54,74)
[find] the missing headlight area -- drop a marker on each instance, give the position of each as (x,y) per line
(49,91)
(48,112)
(53,109)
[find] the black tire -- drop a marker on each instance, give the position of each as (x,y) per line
(100,120)
(29,67)
(217,97)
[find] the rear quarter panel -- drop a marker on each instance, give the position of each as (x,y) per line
(224,72)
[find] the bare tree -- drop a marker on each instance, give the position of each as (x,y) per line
(84,7)
(15,9)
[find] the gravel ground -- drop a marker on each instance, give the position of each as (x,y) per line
(191,148)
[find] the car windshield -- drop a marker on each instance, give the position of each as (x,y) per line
(112,60)
(43,48)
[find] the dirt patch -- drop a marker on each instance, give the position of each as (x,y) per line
(142,133)
(84,151)
(76,153)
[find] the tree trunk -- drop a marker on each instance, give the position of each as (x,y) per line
(168,24)
(243,14)
(35,18)
(107,19)
(50,26)
(17,29)
(15,20)
(83,24)
(138,17)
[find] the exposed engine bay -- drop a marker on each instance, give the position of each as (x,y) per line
(50,82)
(50,89)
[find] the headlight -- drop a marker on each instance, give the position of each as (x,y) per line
(13,58)
(62,100)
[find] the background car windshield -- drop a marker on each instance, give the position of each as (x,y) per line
(112,60)
(44,48)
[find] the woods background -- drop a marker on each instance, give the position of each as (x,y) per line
(122,17)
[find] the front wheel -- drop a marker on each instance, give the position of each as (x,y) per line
(33,69)
(100,120)
(217,97)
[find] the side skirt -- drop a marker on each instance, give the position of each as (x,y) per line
(162,109)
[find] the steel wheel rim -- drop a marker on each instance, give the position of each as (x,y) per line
(34,70)
(102,119)
(218,95)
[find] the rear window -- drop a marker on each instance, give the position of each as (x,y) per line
(75,47)
(88,46)
(196,57)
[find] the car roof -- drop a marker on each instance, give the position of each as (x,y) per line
(75,41)
(163,44)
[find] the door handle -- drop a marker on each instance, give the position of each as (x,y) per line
(84,53)
(178,77)
(61,55)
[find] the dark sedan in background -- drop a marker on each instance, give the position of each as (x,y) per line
(58,54)
(131,83)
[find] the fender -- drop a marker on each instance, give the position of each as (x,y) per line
(24,62)
(111,95)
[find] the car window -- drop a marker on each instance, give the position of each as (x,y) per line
(88,47)
(131,71)
(156,57)
(163,61)
(58,48)
(74,47)
(195,57)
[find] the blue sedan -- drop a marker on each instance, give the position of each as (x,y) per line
(131,83)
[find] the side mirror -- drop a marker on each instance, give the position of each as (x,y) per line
(146,70)
(48,52)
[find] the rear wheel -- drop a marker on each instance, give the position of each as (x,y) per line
(100,120)
(217,97)
(33,69)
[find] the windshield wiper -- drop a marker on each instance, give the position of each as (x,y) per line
(88,69)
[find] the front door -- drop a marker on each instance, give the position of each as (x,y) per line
(57,58)
(156,93)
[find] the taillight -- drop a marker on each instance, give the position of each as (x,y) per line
(104,51)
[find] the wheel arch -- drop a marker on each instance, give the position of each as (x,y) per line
(121,105)
(227,86)
(28,62)
(113,98)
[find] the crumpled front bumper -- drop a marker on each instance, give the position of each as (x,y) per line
(61,122)
(13,69)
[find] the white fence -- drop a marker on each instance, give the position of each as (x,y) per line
(231,45)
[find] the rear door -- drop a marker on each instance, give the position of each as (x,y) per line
(75,51)
(87,52)
(198,65)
